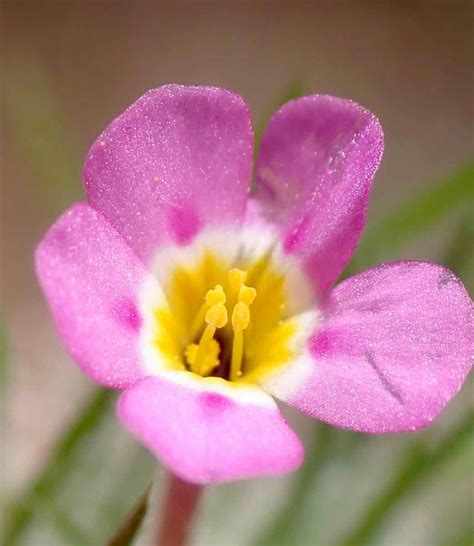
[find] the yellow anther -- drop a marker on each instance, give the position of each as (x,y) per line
(209,361)
(216,315)
(190,353)
(247,294)
(237,277)
(215,295)
(240,316)
(203,357)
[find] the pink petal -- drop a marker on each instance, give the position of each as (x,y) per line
(90,278)
(206,431)
(393,349)
(317,162)
(178,159)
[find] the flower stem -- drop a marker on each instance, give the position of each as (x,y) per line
(178,511)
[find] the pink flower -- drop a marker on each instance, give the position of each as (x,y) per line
(203,302)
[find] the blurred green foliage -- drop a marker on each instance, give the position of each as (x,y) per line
(386,236)
(36,124)
(59,464)
(351,490)
(459,255)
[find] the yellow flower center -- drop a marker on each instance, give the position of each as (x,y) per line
(226,323)
(202,358)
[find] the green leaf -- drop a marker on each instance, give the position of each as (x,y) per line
(127,532)
(89,485)
(419,463)
(459,256)
(58,465)
(385,236)
(64,525)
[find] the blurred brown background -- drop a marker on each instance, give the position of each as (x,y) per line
(70,67)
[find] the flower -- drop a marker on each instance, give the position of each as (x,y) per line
(203,303)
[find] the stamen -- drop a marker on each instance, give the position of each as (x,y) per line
(190,354)
(237,277)
(237,355)
(203,357)
(213,296)
(247,294)
(240,316)
(216,317)
(240,322)
(210,361)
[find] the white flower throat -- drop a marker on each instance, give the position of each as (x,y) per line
(223,315)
